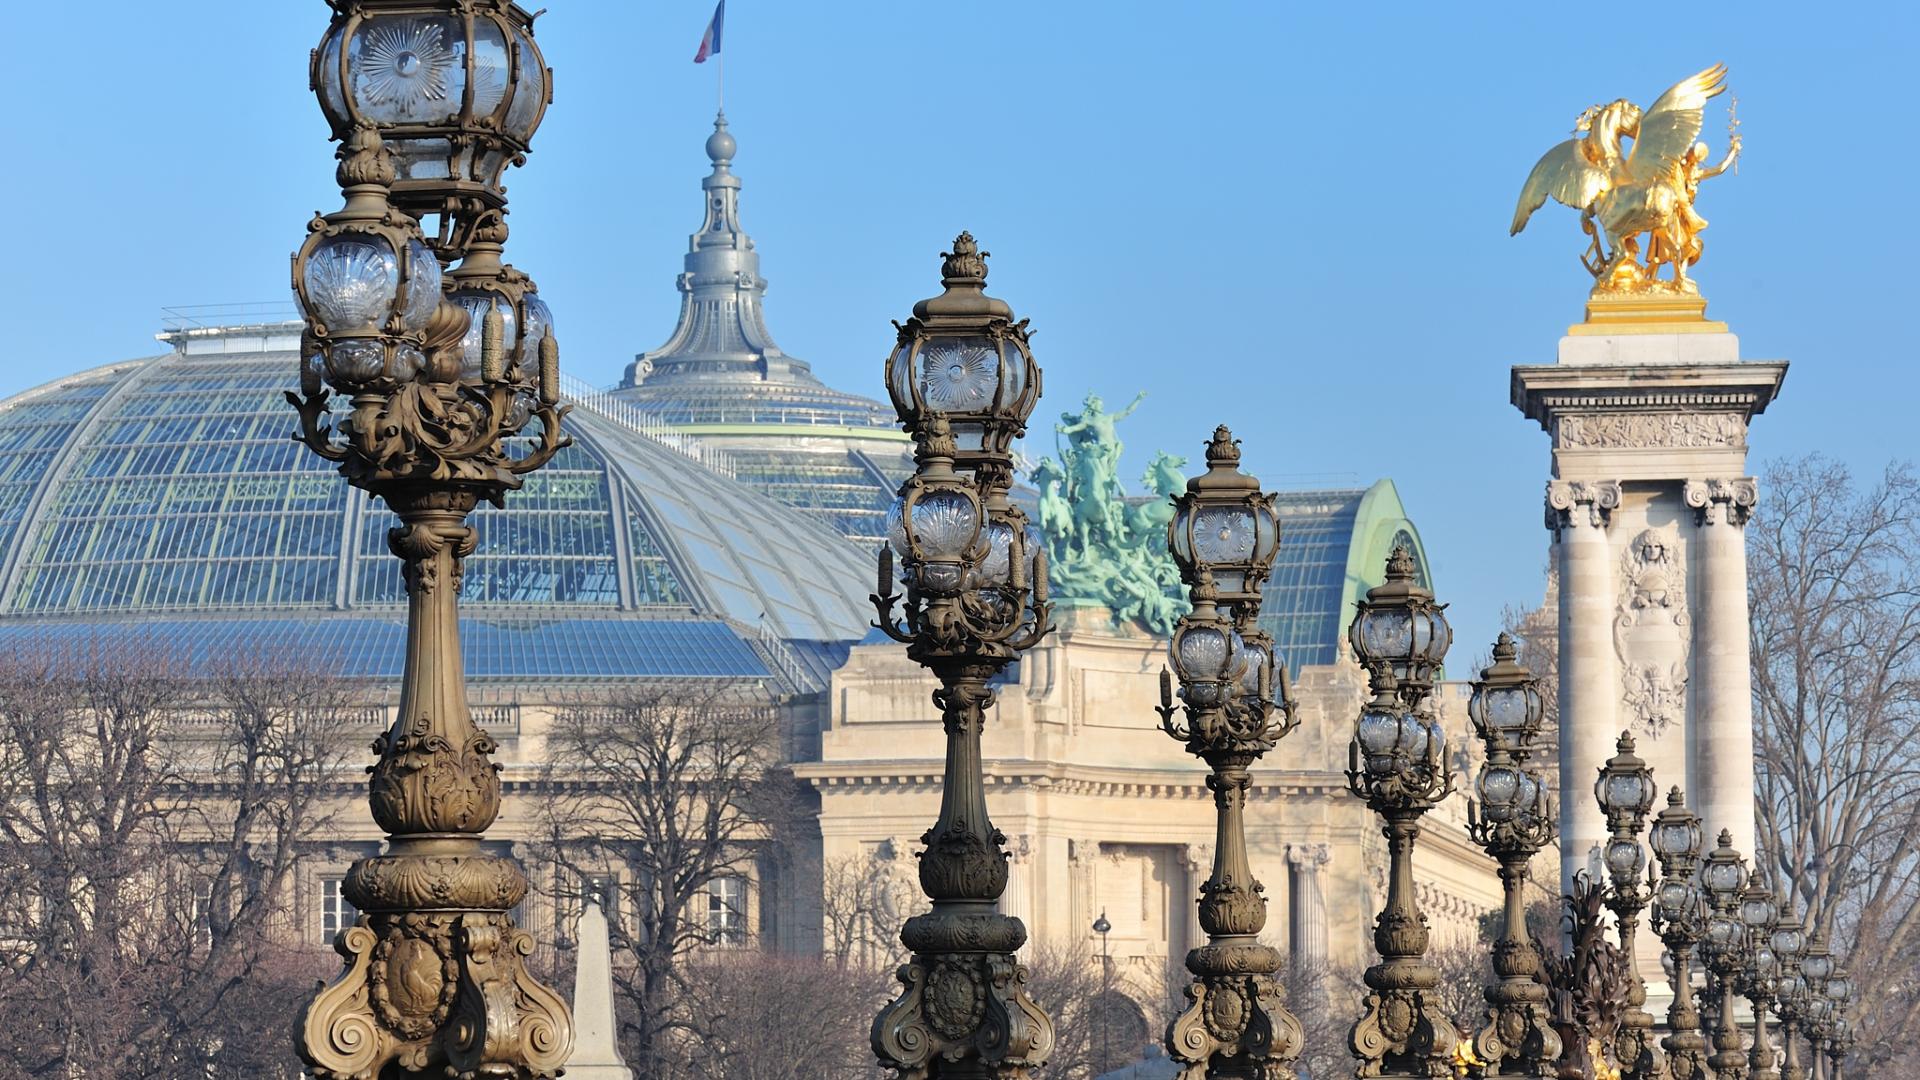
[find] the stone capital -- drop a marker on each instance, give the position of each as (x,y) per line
(1309,857)
(1575,503)
(1722,502)
(1197,858)
(1081,852)
(1020,849)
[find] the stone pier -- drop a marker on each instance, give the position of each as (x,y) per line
(1647,505)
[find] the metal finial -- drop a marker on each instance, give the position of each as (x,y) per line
(1400,564)
(1224,449)
(364,158)
(964,266)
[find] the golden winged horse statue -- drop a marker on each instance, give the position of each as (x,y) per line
(1650,189)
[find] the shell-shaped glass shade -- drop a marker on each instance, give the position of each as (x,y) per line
(350,282)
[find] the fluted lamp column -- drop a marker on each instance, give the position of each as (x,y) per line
(442,388)
(963,382)
(1398,763)
(1512,818)
(1235,705)
(1626,792)
(1678,920)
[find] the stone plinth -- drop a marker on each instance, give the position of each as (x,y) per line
(1647,505)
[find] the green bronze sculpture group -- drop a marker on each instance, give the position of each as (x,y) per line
(1103,546)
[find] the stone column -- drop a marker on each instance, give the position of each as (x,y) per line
(1081,855)
(1722,765)
(1197,861)
(1017,899)
(1307,909)
(1579,511)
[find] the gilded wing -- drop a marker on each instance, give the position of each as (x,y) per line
(1668,130)
(1564,173)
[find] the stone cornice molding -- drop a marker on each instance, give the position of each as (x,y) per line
(1545,392)
(1717,502)
(1581,502)
(1058,779)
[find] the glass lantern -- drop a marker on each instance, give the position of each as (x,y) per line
(1624,787)
(1506,706)
(1757,907)
(1399,628)
(457,91)
(1224,525)
(1789,941)
(1676,836)
(1208,657)
(1676,898)
(962,356)
(367,284)
(1625,859)
(936,529)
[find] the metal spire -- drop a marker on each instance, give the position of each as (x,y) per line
(722,334)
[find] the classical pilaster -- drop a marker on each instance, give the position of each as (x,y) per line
(1197,861)
(1081,856)
(1017,900)
(1307,910)
(1579,511)
(1722,733)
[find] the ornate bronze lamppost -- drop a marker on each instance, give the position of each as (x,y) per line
(1398,763)
(1836,1030)
(963,382)
(1677,918)
(1625,791)
(1724,950)
(1511,818)
(1811,1007)
(1790,993)
(1759,912)
(431,101)
(1236,704)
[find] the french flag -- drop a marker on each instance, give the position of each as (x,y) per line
(710,41)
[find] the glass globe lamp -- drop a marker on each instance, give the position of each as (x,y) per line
(1625,859)
(367,285)
(1506,706)
(1624,787)
(1757,907)
(1839,988)
(1676,898)
(1724,874)
(1207,657)
(1225,525)
(1400,629)
(962,356)
(1676,836)
(937,530)
(457,91)
(1789,941)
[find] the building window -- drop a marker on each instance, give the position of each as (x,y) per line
(726,910)
(336,911)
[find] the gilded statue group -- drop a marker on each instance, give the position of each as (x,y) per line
(1102,546)
(1648,190)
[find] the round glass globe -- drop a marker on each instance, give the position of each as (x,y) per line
(944,524)
(351,281)
(959,375)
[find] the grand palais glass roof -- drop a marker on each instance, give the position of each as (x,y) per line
(1333,548)
(164,497)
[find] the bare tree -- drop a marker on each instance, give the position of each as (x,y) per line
(148,827)
(1322,996)
(665,794)
(772,1017)
(863,904)
(1834,581)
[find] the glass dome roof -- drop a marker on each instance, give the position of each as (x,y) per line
(167,490)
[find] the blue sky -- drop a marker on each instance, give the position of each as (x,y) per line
(1290,218)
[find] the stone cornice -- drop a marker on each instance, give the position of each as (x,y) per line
(1545,391)
(1061,779)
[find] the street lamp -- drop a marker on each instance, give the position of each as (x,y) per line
(435,979)
(1102,927)
(1626,792)
(1723,948)
(1235,705)
(1839,1034)
(1677,918)
(976,596)
(1511,819)
(1790,993)
(1398,763)
(1759,912)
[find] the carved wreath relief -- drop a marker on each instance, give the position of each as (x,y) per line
(1652,633)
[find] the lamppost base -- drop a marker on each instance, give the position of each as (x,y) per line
(963,1010)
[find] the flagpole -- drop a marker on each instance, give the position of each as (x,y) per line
(720,80)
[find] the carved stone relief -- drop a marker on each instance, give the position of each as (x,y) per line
(1680,430)
(1652,632)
